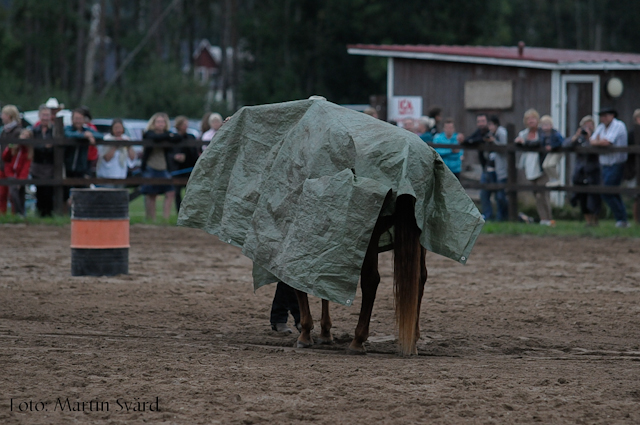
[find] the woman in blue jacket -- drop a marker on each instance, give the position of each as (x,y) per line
(452,157)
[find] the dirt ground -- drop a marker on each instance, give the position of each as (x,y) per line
(532,330)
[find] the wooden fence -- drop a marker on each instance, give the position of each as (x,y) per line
(512,187)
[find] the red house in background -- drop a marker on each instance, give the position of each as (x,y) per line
(206,59)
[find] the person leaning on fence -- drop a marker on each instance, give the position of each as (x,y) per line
(42,163)
(495,172)
(92,151)
(10,130)
(76,162)
(113,159)
(478,137)
(182,158)
(155,163)
(586,172)
(17,161)
(423,126)
(531,162)
(215,122)
(452,157)
(612,132)
(552,140)
(55,107)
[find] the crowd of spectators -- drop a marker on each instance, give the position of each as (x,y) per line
(113,161)
(94,158)
(540,168)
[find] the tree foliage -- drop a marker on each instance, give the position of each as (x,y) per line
(288,49)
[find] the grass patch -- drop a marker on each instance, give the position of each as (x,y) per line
(136,215)
(606,229)
(565,227)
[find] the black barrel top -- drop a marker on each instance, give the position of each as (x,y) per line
(100,203)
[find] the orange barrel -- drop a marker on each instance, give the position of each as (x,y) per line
(99,232)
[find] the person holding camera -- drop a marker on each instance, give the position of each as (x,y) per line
(496,171)
(487,161)
(586,172)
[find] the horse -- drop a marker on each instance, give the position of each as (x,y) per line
(409,278)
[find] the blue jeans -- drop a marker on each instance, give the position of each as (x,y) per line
(500,195)
(612,176)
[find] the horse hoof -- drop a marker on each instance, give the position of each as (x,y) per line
(355,352)
(300,344)
(325,341)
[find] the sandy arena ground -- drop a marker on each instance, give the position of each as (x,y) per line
(532,330)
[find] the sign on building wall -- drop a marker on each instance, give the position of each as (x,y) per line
(402,107)
(488,94)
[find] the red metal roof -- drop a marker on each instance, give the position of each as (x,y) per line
(536,54)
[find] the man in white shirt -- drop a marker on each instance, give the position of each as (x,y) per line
(612,132)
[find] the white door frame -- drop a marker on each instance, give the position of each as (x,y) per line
(574,78)
(558,198)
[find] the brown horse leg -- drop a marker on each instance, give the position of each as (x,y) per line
(325,325)
(306,321)
(369,280)
(423,280)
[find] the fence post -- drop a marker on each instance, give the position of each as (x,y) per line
(512,174)
(58,167)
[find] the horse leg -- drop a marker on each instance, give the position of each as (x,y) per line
(423,280)
(325,325)
(369,280)
(306,321)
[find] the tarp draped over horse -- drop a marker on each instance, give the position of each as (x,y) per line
(299,186)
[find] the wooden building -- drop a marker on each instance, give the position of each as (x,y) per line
(464,80)
(206,61)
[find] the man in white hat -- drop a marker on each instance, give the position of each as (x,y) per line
(54,105)
(612,132)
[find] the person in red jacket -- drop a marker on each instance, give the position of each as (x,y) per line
(10,130)
(17,161)
(92,152)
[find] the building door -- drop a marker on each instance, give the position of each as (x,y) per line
(580,96)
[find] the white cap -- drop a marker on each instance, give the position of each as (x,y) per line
(316,97)
(52,103)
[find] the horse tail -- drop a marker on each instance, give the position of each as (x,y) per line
(406,272)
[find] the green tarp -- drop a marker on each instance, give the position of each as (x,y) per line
(299,186)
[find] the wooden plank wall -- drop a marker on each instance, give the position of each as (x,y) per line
(442,84)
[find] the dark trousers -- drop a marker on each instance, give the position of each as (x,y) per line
(44,200)
(284,301)
(590,203)
(612,176)
(17,197)
(502,205)
(178,197)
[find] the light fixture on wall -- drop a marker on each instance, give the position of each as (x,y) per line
(614,87)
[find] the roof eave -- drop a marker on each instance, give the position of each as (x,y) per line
(519,63)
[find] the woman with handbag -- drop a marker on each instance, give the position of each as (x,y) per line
(531,162)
